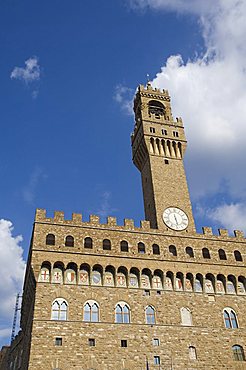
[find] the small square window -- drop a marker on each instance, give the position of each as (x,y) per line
(166,161)
(58,341)
(91,342)
(158,292)
(157,360)
(156,341)
(123,343)
(146,292)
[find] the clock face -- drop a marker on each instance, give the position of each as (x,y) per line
(175,218)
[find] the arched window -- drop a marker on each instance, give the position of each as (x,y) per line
(206,253)
(186,317)
(134,278)
(173,250)
(230,318)
(238,353)
(141,248)
(69,242)
(57,273)
(150,315)
(59,309)
(238,256)
(123,246)
(192,353)
(209,283)
(220,284)
(189,251)
(106,245)
(70,273)
(84,274)
(241,285)
(199,283)
(156,249)
(156,108)
(222,254)
(122,313)
(91,311)
(50,239)
(88,243)
(44,275)
(96,276)
(109,276)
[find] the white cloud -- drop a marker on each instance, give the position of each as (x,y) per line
(209,93)
(29,73)
(12,267)
(29,191)
(232,216)
(105,208)
(124,96)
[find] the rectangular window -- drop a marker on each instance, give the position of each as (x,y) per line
(157,360)
(164,132)
(158,292)
(58,341)
(91,342)
(123,343)
(156,341)
(152,129)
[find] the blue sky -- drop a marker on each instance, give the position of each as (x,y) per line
(68,74)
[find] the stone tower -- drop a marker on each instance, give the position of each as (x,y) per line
(158,146)
(105,296)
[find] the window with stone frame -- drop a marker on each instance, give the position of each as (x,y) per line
(106,245)
(150,315)
(88,243)
(50,239)
(69,241)
(59,309)
(123,246)
(91,311)
(238,353)
(122,313)
(230,318)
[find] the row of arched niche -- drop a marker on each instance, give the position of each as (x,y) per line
(165,148)
(145,279)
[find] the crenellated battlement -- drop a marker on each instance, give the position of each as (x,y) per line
(129,224)
(154,90)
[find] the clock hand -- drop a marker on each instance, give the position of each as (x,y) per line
(176,219)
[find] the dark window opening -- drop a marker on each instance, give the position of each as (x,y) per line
(173,250)
(123,246)
(141,248)
(58,341)
(222,254)
(123,343)
(156,249)
(189,251)
(50,239)
(69,242)
(88,243)
(206,253)
(238,256)
(107,245)
(91,342)
(156,108)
